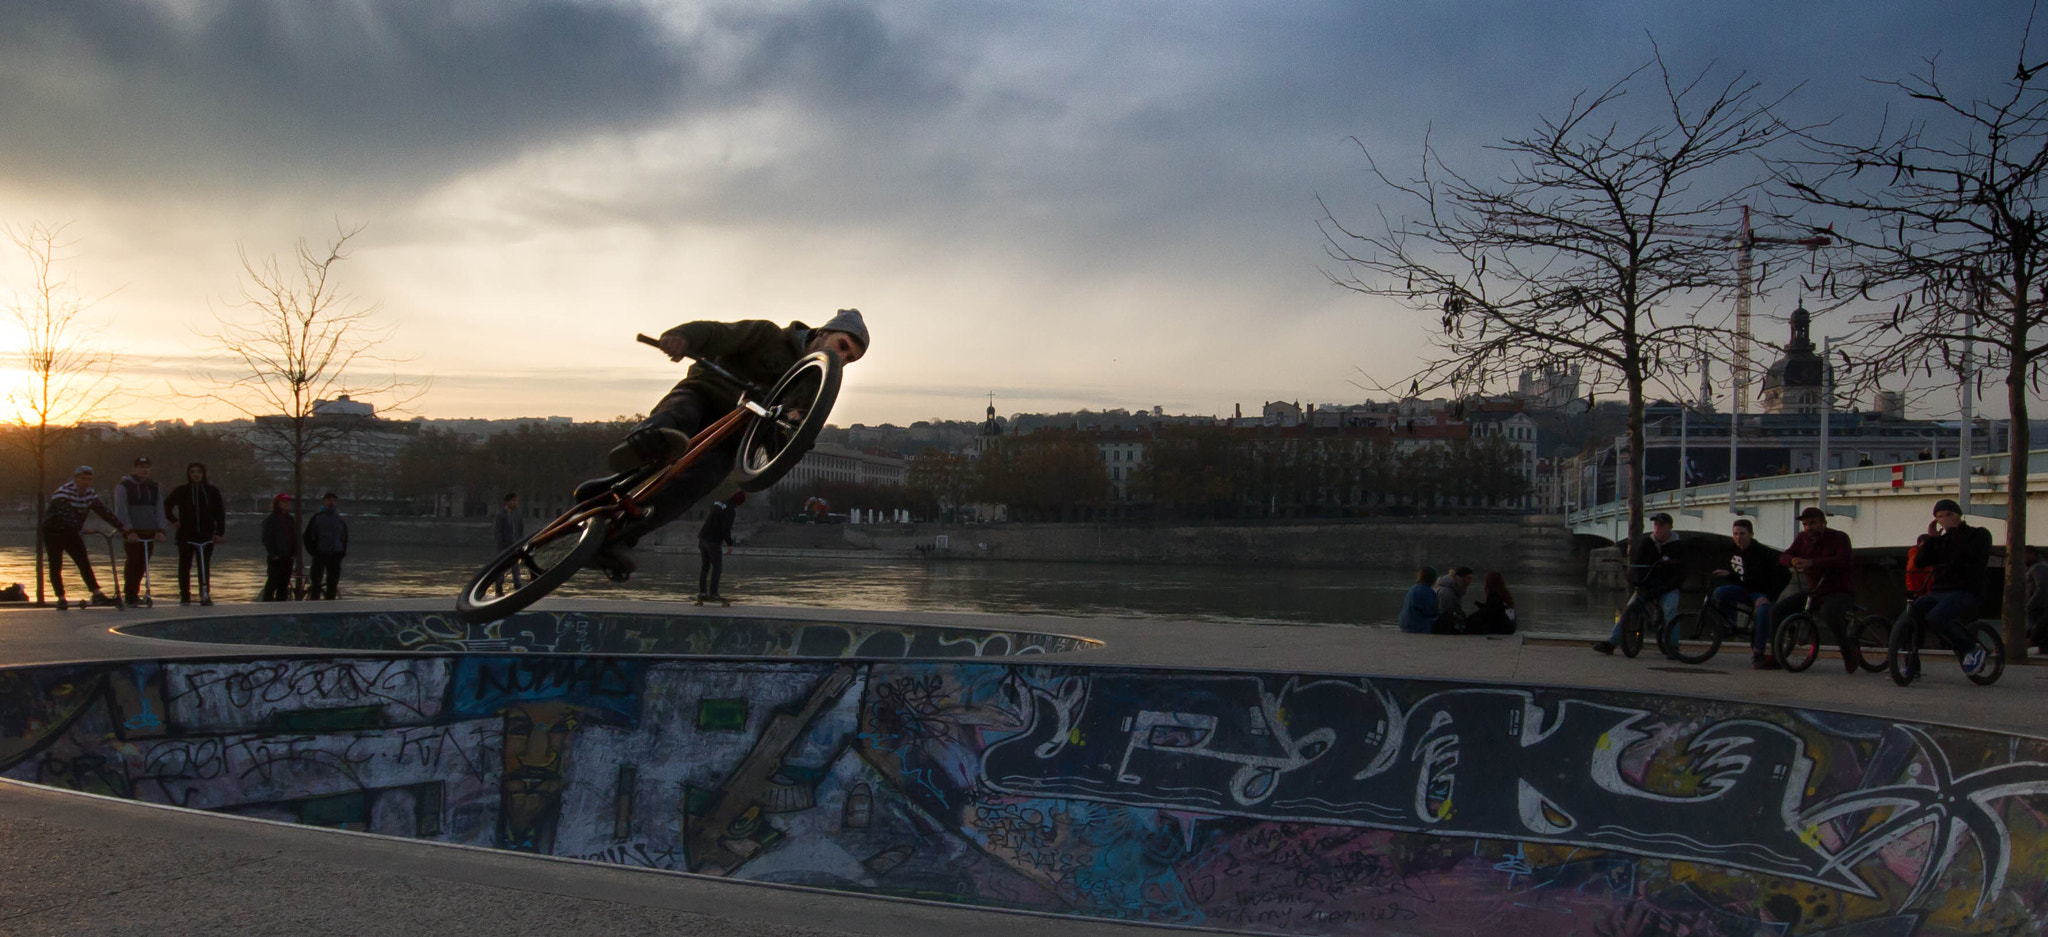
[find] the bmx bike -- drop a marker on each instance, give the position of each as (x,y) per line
(775,426)
(1704,630)
(1799,637)
(1903,657)
(1640,615)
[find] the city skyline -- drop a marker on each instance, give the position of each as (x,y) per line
(1069,206)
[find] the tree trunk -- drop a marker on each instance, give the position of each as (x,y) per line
(2014,608)
(1634,478)
(42,446)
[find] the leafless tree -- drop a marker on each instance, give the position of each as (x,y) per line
(1947,215)
(65,379)
(296,339)
(1599,246)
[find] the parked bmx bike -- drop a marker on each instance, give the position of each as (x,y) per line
(775,427)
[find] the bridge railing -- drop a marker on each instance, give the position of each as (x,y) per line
(1930,470)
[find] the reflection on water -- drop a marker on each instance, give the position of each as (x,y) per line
(1209,593)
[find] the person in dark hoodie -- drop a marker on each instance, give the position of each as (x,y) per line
(1748,578)
(756,350)
(713,539)
(200,515)
(1958,556)
(326,544)
(139,503)
(280,548)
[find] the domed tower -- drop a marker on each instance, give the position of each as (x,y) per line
(991,429)
(1793,384)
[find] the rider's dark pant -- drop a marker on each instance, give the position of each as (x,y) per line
(684,408)
(201,551)
(60,545)
(1945,611)
(1730,596)
(714,563)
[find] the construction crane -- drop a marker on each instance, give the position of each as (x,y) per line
(1745,241)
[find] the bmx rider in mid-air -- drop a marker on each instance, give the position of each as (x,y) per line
(756,350)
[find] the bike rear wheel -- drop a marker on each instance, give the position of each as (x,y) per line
(1993,643)
(798,406)
(1634,619)
(550,557)
(1904,658)
(1797,642)
(1873,637)
(1705,638)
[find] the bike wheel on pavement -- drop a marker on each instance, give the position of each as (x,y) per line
(1904,658)
(1633,619)
(1873,637)
(1797,642)
(1705,638)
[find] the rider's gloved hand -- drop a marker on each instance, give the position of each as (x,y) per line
(674,346)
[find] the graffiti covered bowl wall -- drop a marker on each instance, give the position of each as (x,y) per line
(585,632)
(1282,803)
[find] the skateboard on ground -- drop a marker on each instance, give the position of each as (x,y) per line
(720,599)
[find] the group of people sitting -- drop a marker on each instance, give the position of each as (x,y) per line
(1946,574)
(1436,604)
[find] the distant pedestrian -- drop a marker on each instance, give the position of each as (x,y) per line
(281,548)
(713,539)
(63,533)
(326,543)
(1418,607)
(509,530)
(1450,601)
(1496,611)
(139,503)
(200,517)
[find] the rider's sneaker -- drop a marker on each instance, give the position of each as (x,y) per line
(1973,660)
(1909,664)
(184,601)
(1763,662)
(62,605)
(1604,647)
(205,600)
(100,598)
(647,446)
(616,561)
(592,488)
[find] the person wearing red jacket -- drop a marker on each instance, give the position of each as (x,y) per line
(1819,559)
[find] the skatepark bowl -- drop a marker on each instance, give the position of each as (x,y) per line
(1263,802)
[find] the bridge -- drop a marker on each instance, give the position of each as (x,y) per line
(1879,506)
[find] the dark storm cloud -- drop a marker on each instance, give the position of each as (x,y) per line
(328,94)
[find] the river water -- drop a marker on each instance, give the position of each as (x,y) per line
(1369,598)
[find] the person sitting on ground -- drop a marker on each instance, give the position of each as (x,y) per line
(63,534)
(1450,601)
(2037,600)
(1748,579)
(1656,568)
(1496,611)
(1418,608)
(713,539)
(1821,558)
(1958,557)
(754,350)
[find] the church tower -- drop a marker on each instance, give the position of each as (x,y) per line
(1793,384)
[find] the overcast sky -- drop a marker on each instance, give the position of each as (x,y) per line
(1069,204)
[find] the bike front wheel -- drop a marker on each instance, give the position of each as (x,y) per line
(1903,659)
(1873,639)
(1797,642)
(797,406)
(1704,635)
(1633,620)
(550,557)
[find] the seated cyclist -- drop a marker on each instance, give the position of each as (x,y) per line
(1956,558)
(1656,569)
(1749,578)
(1820,557)
(755,350)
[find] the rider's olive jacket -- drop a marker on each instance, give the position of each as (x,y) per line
(755,349)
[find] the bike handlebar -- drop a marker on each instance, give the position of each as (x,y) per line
(708,364)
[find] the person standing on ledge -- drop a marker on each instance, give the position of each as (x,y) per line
(139,503)
(509,529)
(63,528)
(200,516)
(280,550)
(327,543)
(713,539)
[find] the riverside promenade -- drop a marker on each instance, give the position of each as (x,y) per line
(79,864)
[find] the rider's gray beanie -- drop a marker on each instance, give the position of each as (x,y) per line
(848,321)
